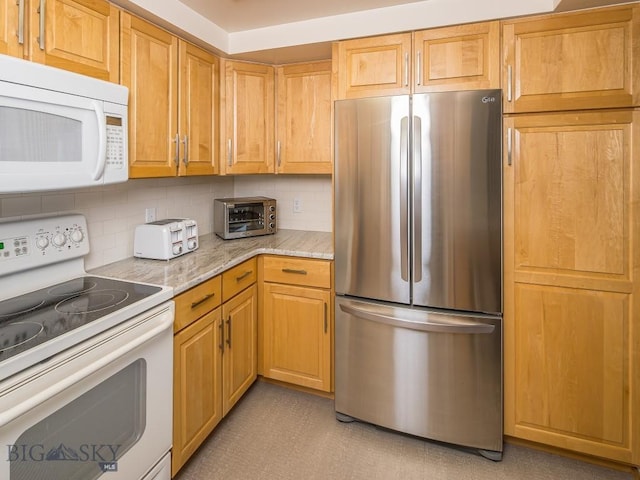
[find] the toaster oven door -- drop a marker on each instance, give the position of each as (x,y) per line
(246,219)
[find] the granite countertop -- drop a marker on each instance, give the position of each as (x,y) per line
(215,255)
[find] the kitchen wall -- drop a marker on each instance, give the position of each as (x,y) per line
(113,211)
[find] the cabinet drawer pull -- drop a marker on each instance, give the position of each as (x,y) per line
(41,11)
(229,331)
(202,300)
(239,278)
(221,327)
(20,32)
(294,270)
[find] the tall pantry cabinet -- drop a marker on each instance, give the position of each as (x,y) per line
(572,231)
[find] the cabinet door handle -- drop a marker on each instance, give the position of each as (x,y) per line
(509,146)
(239,278)
(41,34)
(293,270)
(229,331)
(326,319)
(278,153)
(186,150)
(509,82)
(176,157)
(419,69)
(20,32)
(221,327)
(229,152)
(406,69)
(202,300)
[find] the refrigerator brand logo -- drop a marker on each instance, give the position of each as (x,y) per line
(103,454)
(488,99)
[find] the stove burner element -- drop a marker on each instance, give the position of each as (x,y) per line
(17,333)
(19,305)
(72,287)
(92,301)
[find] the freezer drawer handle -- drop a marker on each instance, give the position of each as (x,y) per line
(460,326)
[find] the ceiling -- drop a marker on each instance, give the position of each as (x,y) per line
(286,31)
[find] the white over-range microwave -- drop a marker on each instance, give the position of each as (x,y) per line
(59,129)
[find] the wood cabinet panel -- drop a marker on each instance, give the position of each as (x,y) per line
(375,66)
(149,64)
(461,57)
(303,118)
(572,61)
(297,347)
(197,301)
(240,362)
(9,26)
(249,109)
(297,271)
(238,278)
(197,399)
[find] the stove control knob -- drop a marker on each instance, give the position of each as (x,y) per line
(191,244)
(177,249)
(42,243)
(59,239)
(77,236)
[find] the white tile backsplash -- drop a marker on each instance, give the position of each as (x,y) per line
(114,211)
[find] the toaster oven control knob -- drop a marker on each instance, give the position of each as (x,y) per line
(272,208)
(272,216)
(177,249)
(59,239)
(42,243)
(77,236)
(272,225)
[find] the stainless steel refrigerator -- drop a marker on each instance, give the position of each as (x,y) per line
(418,265)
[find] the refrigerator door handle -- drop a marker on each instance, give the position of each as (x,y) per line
(404,199)
(417,202)
(421,321)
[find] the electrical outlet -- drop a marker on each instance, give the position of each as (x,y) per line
(297,205)
(150,214)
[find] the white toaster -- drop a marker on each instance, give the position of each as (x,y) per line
(165,239)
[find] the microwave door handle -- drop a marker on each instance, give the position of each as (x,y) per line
(102,140)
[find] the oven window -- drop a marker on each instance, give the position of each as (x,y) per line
(248,217)
(86,437)
(59,138)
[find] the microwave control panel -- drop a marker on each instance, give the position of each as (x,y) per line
(115,142)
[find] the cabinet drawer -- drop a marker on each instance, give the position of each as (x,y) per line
(238,278)
(197,301)
(297,271)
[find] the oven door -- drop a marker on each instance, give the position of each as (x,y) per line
(101,409)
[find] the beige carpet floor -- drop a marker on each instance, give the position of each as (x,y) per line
(281,434)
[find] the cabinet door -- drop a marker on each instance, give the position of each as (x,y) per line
(199,110)
(149,59)
(249,119)
(572,61)
(303,118)
(376,66)
(79,35)
(197,391)
(462,57)
(571,317)
(14,27)
(240,362)
(297,335)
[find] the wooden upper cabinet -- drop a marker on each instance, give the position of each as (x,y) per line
(462,57)
(376,66)
(199,110)
(79,35)
(149,65)
(303,118)
(248,124)
(173,102)
(572,61)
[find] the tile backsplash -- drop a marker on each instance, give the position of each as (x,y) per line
(113,211)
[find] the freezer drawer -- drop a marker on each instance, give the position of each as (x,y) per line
(428,374)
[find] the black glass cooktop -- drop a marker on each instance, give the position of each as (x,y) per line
(39,316)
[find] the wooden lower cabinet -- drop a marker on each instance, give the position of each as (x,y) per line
(240,354)
(297,321)
(197,395)
(572,264)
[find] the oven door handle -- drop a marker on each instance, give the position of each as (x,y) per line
(163,323)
